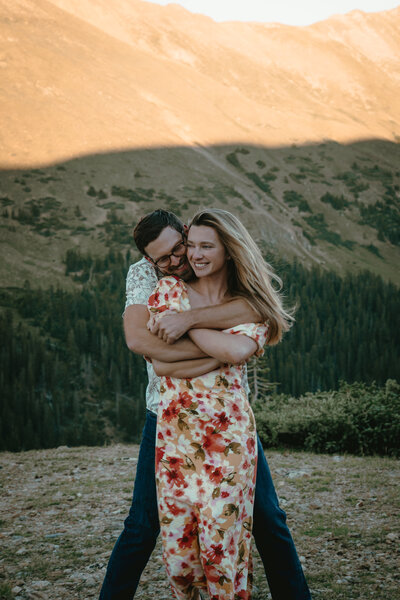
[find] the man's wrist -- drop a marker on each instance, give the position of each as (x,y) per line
(190,319)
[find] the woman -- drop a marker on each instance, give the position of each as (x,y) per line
(206,447)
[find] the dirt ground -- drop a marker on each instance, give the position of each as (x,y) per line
(62,510)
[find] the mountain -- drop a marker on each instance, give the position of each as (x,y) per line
(111,109)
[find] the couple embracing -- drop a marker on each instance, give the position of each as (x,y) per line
(202,477)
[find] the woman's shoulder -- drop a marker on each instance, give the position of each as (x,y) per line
(171,282)
(168,289)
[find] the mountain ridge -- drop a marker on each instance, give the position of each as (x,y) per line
(197,81)
(295,129)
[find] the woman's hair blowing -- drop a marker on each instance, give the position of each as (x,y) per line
(249,275)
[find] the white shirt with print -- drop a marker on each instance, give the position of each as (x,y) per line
(140,283)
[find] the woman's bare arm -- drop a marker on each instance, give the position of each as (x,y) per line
(225,347)
(185,368)
(170,326)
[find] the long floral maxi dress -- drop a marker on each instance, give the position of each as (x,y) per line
(206,457)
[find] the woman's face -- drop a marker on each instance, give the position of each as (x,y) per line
(205,251)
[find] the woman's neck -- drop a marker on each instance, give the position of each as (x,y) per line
(213,289)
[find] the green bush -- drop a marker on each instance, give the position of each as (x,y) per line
(376,172)
(358,418)
(270,175)
(337,202)
(138,195)
(318,223)
(92,192)
(353,182)
(233,160)
(373,249)
(298,177)
(262,183)
(384,216)
(293,198)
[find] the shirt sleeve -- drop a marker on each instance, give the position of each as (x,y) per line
(140,283)
(166,295)
(256,331)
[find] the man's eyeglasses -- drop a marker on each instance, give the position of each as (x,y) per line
(165,261)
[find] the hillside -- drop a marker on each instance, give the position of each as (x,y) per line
(330,205)
(115,108)
(93,76)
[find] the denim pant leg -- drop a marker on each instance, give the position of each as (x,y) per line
(136,543)
(273,539)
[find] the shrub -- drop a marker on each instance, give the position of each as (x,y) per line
(270,175)
(92,192)
(337,202)
(384,216)
(318,223)
(372,248)
(376,172)
(357,418)
(138,195)
(309,238)
(233,160)
(295,199)
(262,183)
(353,182)
(100,194)
(298,177)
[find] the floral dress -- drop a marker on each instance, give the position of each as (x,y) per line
(206,456)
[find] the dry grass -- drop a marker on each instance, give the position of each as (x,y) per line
(62,510)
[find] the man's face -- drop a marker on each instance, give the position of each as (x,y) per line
(169,240)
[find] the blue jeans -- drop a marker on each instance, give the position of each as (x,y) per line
(136,542)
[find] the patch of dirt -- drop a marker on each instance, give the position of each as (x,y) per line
(62,510)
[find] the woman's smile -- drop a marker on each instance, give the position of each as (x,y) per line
(205,251)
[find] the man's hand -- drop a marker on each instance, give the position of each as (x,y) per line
(169,325)
(141,341)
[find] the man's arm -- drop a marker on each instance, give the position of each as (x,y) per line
(172,326)
(139,339)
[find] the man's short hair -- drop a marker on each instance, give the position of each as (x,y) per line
(150,226)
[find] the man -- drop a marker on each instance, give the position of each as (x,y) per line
(160,237)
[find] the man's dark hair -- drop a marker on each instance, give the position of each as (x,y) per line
(149,227)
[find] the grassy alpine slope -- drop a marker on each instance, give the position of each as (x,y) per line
(327,204)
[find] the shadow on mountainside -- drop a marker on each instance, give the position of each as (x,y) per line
(329,204)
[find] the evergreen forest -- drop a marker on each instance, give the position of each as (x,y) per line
(67,377)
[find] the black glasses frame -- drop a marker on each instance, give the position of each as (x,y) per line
(181,245)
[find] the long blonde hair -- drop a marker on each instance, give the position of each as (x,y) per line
(249,275)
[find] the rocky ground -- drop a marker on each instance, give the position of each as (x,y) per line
(62,510)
